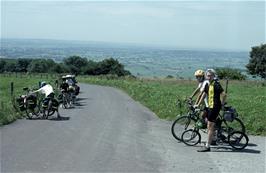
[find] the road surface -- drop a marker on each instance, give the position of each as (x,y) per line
(109,132)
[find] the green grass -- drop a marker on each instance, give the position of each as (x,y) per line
(160,95)
(7,112)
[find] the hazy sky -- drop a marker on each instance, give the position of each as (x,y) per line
(234,25)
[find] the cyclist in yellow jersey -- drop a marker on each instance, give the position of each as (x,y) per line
(216,98)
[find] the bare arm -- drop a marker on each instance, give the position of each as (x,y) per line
(201,99)
(223,97)
(195,92)
(198,98)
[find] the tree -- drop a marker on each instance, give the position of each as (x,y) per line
(91,67)
(22,64)
(75,64)
(10,66)
(257,61)
(112,66)
(2,65)
(38,66)
(59,68)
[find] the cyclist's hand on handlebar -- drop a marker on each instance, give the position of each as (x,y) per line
(189,100)
(195,106)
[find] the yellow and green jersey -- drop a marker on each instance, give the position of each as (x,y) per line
(214,89)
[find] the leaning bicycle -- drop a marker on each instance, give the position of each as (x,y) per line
(29,103)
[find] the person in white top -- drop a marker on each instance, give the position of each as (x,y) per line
(200,76)
(48,91)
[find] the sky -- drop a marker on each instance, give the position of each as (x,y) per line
(222,25)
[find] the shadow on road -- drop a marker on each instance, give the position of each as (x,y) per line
(59,119)
(230,149)
(36,118)
(252,145)
(227,148)
(80,102)
(53,118)
(82,98)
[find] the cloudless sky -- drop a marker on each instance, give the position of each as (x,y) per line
(230,25)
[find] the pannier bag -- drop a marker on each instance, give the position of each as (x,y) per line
(230,114)
(32,101)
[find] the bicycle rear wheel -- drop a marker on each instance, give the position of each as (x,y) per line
(179,126)
(237,125)
(32,112)
(238,140)
(191,137)
(65,103)
(49,110)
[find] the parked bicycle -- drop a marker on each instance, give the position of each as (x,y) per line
(185,122)
(64,99)
(225,132)
(29,103)
(49,106)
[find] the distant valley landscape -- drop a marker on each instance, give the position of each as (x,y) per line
(141,60)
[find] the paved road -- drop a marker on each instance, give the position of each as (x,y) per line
(109,132)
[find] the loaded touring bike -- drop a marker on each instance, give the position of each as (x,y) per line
(193,117)
(34,106)
(225,132)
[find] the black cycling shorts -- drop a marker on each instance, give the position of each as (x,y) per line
(213,113)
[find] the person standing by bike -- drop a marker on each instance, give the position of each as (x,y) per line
(64,85)
(48,91)
(200,76)
(216,98)
(64,88)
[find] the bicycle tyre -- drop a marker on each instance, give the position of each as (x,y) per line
(30,112)
(235,125)
(64,104)
(191,137)
(178,128)
(49,110)
(238,140)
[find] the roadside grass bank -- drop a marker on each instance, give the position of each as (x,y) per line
(160,95)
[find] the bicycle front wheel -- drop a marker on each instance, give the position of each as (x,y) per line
(179,126)
(191,137)
(238,140)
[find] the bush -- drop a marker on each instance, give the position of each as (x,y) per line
(229,73)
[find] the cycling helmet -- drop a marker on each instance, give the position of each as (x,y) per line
(43,84)
(199,73)
(212,71)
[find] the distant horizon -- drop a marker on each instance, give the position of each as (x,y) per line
(131,44)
